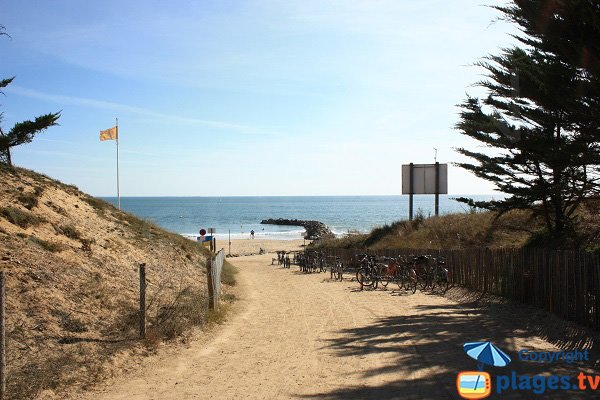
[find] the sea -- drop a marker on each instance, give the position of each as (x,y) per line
(237,216)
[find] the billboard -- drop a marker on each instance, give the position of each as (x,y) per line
(424,179)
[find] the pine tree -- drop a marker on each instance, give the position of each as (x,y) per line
(21,132)
(571,31)
(539,121)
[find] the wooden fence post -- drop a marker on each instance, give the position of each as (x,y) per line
(143,300)
(209,278)
(2,338)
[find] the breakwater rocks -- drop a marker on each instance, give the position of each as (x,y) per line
(315,230)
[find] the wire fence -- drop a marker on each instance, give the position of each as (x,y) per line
(566,283)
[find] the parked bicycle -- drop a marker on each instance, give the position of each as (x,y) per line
(336,269)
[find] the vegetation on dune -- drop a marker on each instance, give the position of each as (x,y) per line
(228,274)
(23,219)
(73,293)
(47,245)
(517,228)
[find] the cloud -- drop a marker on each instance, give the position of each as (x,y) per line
(124,108)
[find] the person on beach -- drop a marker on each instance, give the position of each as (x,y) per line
(252,234)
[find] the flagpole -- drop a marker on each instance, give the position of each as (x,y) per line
(118,192)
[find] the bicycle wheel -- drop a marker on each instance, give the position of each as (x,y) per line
(340,272)
(448,281)
(364,278)
(383,275)
(400,281)
(410,280)
(425,281)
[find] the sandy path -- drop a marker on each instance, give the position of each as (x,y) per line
(303,336)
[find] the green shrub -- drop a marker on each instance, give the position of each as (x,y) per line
(52,247)
(70,232)
(96,203)
(20,218)
(379,233)
(28,200)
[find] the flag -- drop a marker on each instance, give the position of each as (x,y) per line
(110,134)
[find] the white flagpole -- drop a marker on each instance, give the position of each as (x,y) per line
(118,192)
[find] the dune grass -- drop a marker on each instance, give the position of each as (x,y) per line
(19,217)
(228,274)
(457,231)
(518,228)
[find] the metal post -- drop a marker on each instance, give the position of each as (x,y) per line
(437,188)
(230,242)
(142,300)
(118,189)
(410,194)
(2,338)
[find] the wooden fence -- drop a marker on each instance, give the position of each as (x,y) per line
(214,268)
(566,283)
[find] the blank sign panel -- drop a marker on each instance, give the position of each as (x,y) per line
(424,179)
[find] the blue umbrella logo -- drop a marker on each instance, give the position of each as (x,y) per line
(486,353)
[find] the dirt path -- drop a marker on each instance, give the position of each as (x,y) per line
(303,336)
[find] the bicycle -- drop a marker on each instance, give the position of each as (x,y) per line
(440,274)
(407,276)
(337,269)
(364,274)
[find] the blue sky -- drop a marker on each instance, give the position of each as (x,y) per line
(256,97)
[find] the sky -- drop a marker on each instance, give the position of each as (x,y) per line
(257,97)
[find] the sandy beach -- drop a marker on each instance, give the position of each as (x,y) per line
(246,247)
(304,336)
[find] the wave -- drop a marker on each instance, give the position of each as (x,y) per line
(279,235)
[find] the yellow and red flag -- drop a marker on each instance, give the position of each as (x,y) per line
(110,134)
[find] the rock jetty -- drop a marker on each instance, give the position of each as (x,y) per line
(315,230)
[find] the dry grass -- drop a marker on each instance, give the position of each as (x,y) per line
(20,218)
(98,204)
(74,317)
(517,228)
(456,231)
(69,231)
(174,316)
(30,200)
(228,274)
(47,245)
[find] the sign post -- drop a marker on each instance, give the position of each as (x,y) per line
(213,243)
(411,192)
(424,179)
(2,337)
(437,188)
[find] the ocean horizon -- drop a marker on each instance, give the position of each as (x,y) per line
(238,215)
